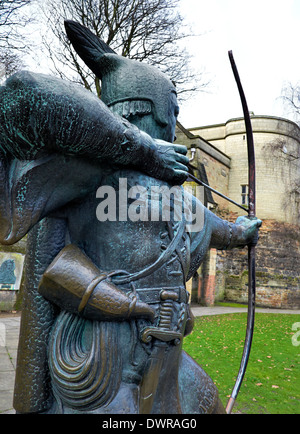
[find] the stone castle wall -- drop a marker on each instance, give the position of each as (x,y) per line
(277,269)
(276,172)
(278,251)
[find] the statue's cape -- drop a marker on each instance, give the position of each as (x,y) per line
(32,190)
(33,392)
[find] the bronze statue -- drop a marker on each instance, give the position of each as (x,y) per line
(105,307)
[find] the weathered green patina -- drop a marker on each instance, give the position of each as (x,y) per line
(105,307)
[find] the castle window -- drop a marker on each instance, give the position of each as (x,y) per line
(245,194)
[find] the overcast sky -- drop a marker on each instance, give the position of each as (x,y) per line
(264,36)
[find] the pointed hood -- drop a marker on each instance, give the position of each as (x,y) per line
(122,79)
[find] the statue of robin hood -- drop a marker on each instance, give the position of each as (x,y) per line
(105,307)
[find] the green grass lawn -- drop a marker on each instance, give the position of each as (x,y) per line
(272,381)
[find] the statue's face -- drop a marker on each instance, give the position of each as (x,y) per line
(151,126)
(173,111)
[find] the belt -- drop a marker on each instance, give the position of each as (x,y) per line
(152,295)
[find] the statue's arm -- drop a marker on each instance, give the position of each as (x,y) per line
(226,235)
(41,114)
(219,234)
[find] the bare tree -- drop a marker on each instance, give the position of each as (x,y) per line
(145,30)
(10,62)
(12,19)
(291,99)
(286,150)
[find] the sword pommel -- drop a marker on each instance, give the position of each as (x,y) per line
(169,295)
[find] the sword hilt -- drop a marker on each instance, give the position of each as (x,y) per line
(166,311)
(163,332)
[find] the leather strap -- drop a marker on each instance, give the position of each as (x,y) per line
(89,290)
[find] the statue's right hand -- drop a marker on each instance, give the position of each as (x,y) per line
(170,162)
(158,158)
(174,162)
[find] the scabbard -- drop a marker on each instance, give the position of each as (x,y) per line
(151,377)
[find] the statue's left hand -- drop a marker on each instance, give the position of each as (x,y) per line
(247,229)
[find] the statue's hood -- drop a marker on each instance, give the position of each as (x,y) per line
(123,79)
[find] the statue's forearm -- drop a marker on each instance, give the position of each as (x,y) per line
(41,113)
(226,235)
